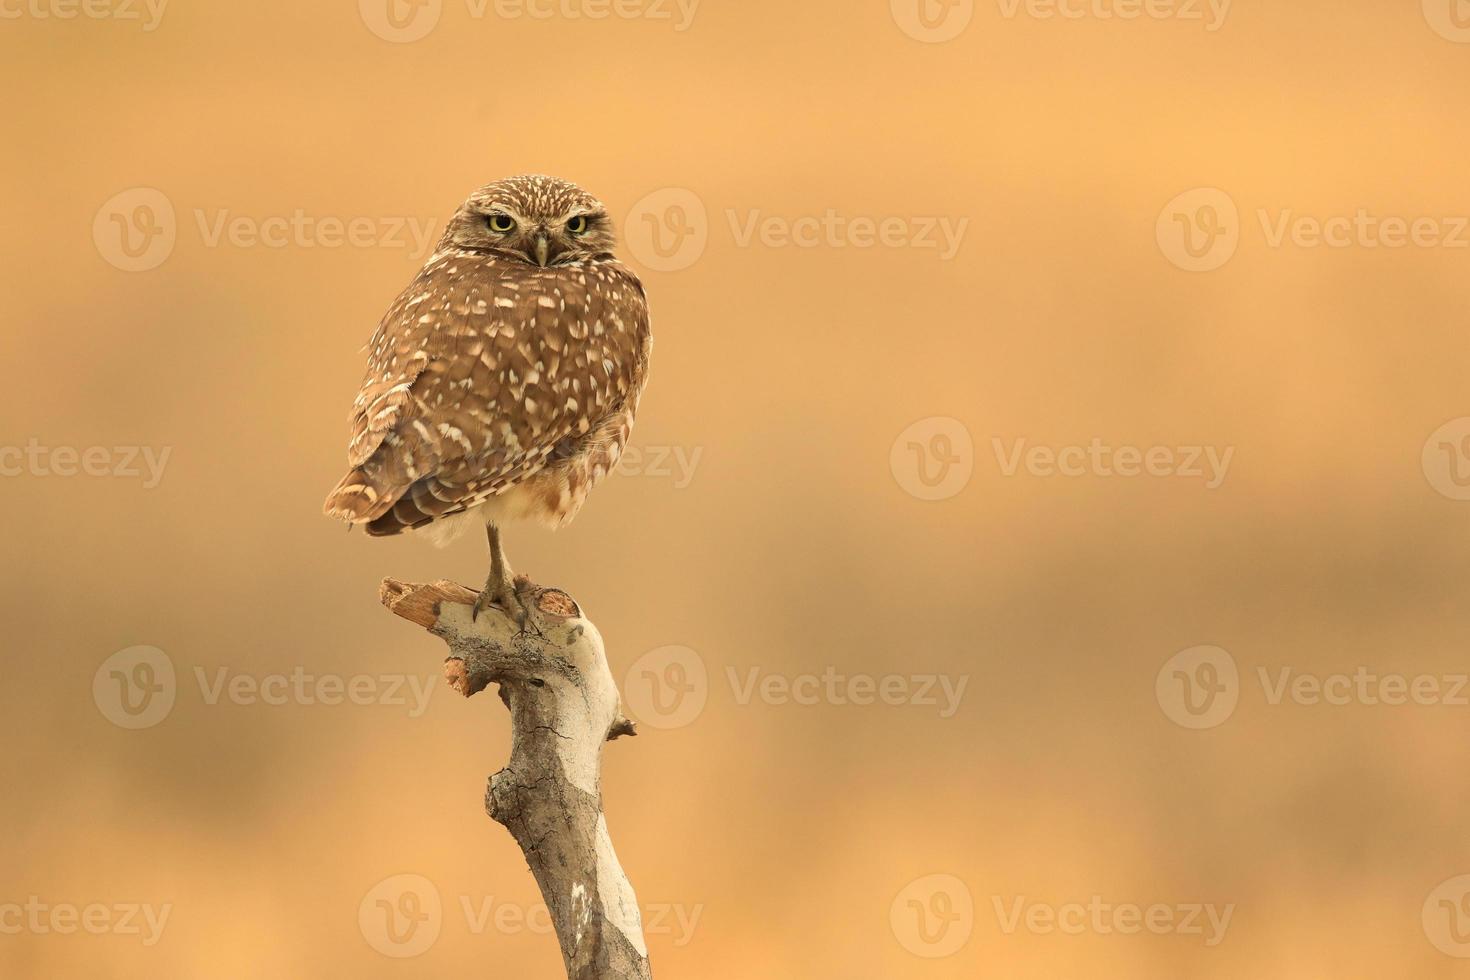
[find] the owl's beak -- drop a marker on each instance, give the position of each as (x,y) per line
(543,250)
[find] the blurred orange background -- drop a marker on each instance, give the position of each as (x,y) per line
(1131,203)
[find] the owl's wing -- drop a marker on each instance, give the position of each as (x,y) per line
(482,370)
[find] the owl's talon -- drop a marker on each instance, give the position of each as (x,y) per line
(518,605)
(481,601)
(511,599)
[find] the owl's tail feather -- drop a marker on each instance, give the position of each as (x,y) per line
(357,499)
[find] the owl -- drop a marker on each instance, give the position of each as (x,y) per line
(502,383)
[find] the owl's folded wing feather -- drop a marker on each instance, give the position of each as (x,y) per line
(483,369)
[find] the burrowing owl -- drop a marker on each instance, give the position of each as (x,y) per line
(502,383)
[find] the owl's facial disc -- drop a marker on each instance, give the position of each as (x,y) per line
(543,233)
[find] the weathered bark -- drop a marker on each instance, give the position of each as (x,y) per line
(553,675)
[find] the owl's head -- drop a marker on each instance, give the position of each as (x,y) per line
(545,221)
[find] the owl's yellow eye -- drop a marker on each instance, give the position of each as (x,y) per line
(502,223)
(577,225)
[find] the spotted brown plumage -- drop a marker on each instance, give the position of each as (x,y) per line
(503,382)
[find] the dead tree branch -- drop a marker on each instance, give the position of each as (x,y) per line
(564,705)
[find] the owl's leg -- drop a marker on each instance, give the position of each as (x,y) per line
(500,588)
